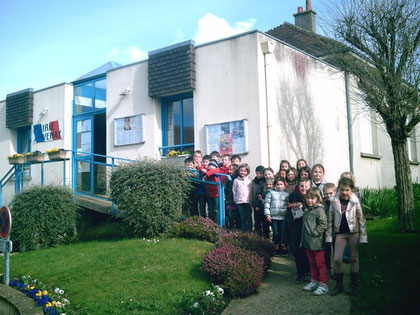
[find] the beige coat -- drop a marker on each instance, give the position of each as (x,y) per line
(354,216)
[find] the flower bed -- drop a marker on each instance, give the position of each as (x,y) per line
(51,301)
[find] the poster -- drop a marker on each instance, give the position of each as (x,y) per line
(129,130)
(227,138)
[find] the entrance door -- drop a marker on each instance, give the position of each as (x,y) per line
(90,143)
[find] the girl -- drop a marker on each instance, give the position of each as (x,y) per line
(305,173)
(301,163)
(285,165)
(347,223)
(356,189)
(291,178)
(317,175)
(233,219)
(275,207)
(313,228)
(241,196)
(303,187)
(282,174)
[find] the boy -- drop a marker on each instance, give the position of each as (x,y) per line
(294,217)
(189,163)
(215,155)
(236,159)
(198,158)
(201,200)
(261,226)
(329,195)
(212,191)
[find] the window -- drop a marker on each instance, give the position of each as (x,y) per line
(412,147)
(178,123)
(89,96)
(24,146)
(368,133)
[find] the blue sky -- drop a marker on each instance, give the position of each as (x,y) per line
(47,42)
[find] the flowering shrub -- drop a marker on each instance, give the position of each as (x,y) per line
(199,228)
(16,155)
(53,150)
(208,302)
(250,241)
(51,301)
(33,153)
(239,270)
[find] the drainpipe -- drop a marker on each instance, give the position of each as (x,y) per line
(349,120)
(267,48)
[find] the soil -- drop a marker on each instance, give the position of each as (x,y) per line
(280,295)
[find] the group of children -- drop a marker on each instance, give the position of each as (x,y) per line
(306,214)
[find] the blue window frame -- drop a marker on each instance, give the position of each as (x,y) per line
(89,95)
(178,123)
(24,146)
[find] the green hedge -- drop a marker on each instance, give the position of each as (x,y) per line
(149,195)
(43,216)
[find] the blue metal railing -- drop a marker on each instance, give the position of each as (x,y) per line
(86,157)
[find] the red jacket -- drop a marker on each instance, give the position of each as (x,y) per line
(212,191)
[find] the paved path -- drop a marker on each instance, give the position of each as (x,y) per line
(280,295)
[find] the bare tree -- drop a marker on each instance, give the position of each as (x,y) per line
(383,36)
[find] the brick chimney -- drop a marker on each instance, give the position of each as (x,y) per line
(306,19)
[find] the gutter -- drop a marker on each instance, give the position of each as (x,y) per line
(349,121)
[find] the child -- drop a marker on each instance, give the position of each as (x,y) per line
(317,174)
(313,228)
(301,163)
(241,196)
(232,213)
(291,178)
(285,165)
(305,173)
(275,207)
(293,220)
(261,225)
(190,206)
(346,221)
(189,163)
(303,187)
(282,174)
(236,159)
(215,155)
(198,158)
(329,195)
(212,191)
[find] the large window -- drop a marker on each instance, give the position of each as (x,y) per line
(178,123)
(368,134)
(89,95)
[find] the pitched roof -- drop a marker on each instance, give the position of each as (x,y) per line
(312,43)
(100,70)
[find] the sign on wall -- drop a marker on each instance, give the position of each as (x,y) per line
(129,130)
(50,131)
(227,138)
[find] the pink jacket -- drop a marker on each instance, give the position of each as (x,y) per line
(242,189)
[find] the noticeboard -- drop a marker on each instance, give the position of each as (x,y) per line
(228,137)
(129,130)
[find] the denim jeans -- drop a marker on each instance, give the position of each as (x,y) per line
(245,213)
(279,231)
(214,209)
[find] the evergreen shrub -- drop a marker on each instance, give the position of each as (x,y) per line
(43,216)
(238,270)
(199,228)
(149,194)
(250,241)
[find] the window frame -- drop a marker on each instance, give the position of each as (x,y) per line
(164,102)
(92,80)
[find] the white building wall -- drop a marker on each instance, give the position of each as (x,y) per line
(137,101)
(58,100)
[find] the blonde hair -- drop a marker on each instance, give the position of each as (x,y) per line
(348,175)
(314,192)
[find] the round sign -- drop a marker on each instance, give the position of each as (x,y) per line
(5,222)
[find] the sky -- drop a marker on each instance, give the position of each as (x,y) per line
(48,42)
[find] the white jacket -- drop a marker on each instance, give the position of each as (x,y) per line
(354,216)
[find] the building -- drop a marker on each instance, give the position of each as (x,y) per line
(253,94)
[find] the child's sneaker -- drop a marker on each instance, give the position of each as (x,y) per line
(311,286)
(322,289)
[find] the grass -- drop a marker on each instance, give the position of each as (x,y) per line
(389,270)
(119,277)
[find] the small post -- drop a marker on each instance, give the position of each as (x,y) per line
(7,265)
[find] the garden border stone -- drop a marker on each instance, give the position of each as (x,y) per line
(15,302)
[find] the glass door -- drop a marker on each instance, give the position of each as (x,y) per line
(84,148)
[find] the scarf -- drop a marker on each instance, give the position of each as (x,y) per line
(298,213)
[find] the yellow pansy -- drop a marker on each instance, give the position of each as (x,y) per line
(45,292)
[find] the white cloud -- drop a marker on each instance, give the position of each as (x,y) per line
(179,36)
(126,55)
(211,27)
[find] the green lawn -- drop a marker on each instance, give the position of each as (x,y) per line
(389,270)
(119,277)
